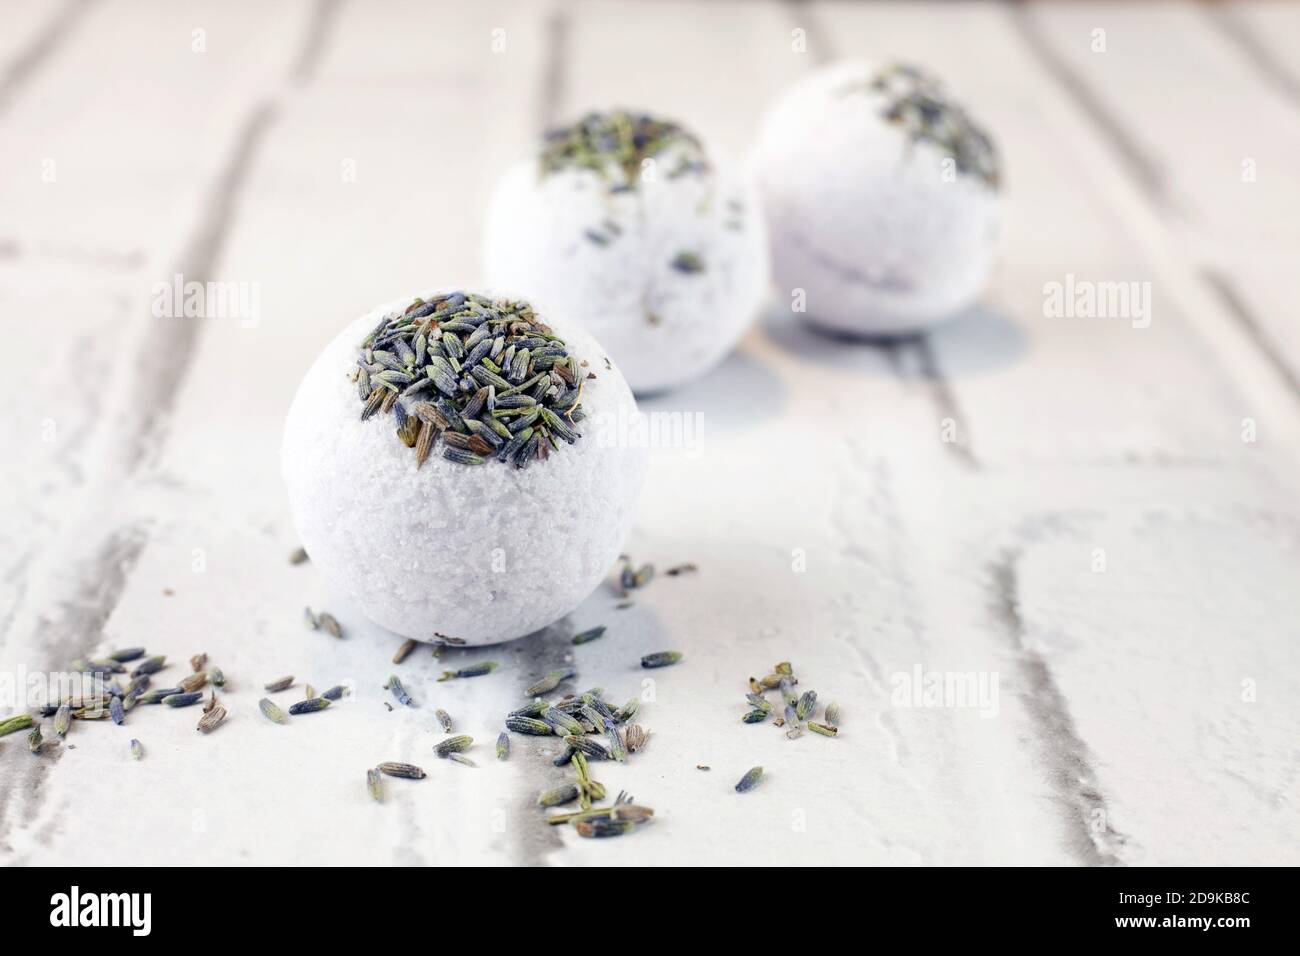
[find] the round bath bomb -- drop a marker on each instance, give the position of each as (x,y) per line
(454,470)
(634,228)
(881,196)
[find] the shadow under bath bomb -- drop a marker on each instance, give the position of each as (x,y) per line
(441,474)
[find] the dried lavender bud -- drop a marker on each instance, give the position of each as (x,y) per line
(603,827)
(395,687)
(193,682)
(62,721)
(534,709)
(587,636)
(474,670)
(309,706)
(528,725)
(562,722)
(271,711)
(627,711)
(687,262)
(212,718)
(616,748)
(551,681)
(408,771)
(635,738)
(151,665)
(806,704)
(558,796)
(587,746)
(158,695)
(452,745)
(661,659)
(183,700)
(749,780)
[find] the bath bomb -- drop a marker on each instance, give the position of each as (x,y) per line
(454,466)
(635,228)
(881,197)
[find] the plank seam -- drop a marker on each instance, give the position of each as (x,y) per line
(1235,306)
(1063,752)
(1230,24)
(29,61)
(1145,171)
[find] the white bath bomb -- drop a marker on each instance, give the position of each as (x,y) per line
(425,545)
(881,197)
(635,228)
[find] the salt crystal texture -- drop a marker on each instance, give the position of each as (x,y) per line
(880,230)
(665,326)
(483,553)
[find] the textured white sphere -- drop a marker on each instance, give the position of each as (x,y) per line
(659,250)
(483,553)
(881,198)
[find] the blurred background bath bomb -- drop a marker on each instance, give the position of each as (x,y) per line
(634,227)
(881,197)
(447,469)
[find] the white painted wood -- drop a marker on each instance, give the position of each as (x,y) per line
(112,138)
(1121,732)
(1209,98)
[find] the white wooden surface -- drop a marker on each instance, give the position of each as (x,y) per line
(142,503)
